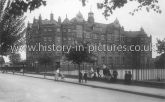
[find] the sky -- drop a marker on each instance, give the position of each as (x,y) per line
(153,23)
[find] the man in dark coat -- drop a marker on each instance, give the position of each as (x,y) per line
(115,74)
(85,77)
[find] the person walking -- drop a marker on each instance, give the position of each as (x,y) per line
(56,74)
(115,74)
(85,77)
(94,76)
(98,71)
(129,77)
(126,77)
(91,72)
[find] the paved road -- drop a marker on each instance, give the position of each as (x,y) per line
(25,89)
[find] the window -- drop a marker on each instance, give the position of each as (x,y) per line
(117,60)
(79,31)
(95,36)
(69,30)
(110,60)
(109,37)
(87,35)
(49,29)
(103,60)
(116,32)
(45,39)
(49,39)
(64,30)
(64,39)
(76,42)
(58,29)
(123,60)
(58,39)
(45,30)
(69,38)
(70,42)
(102,37)
(79,35)
(117,38)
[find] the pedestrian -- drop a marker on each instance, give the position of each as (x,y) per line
(91,72)
(85,77)
(98,71)
(61,76)
(115,74)
(80,77)
(56,74)
(126,77)
(104,73)
(94,76)
(109,74)
(129,77)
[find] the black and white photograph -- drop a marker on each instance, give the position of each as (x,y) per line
(82,50)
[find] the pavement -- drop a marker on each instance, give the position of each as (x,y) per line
(139,90)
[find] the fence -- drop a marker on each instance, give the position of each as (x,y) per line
(140,74)
(137,74)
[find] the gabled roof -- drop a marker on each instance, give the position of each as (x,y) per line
(78,18)
(66,21)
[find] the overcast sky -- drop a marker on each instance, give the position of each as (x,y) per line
(153,23)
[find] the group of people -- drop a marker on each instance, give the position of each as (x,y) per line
(127,77)
(83,76)
(58,75)
(106,73)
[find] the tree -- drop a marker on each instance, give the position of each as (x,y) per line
(2,61)
(19,7)
(80,54)
(12,29)
(160,61)
(161,46)
(45,60)
(15,58)
(12,21)
(109,6)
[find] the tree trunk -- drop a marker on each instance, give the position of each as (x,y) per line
(79,78)
(23,69)
(45,71)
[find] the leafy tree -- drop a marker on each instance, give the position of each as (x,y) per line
(45,60)
(78,56)
(23,63)
(19,7)
(2,61)
(160,61)
(109,6)
(161,46)
(12,29)
(15,58)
